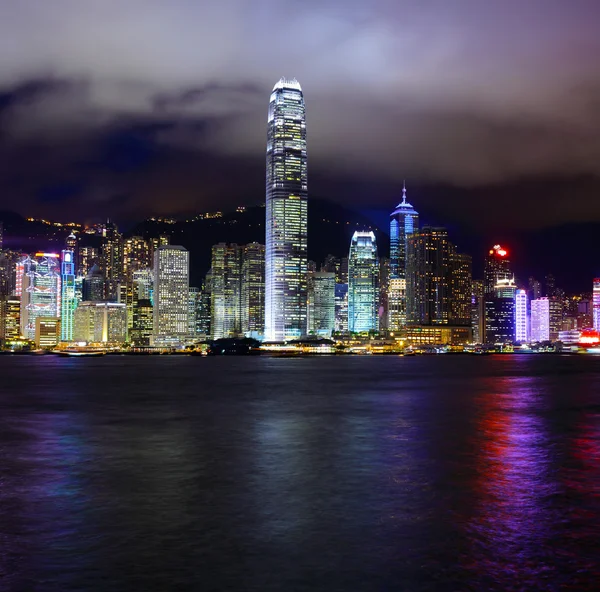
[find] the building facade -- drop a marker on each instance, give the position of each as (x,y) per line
(171,288)
(40,295)
(321,303)
(540,319)
(363,283)
(253,291)
(100,322)
(521,318)
(226,269)
(286,214)
(404,221)
(68,300)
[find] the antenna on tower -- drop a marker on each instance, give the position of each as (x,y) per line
(404,191)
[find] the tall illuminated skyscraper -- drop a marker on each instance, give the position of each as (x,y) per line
(363,283)
(68,299)
(40,291)
(404,220)
(521,328)
(171,290)
(286,214)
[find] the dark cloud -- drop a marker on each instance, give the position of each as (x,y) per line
(164,104)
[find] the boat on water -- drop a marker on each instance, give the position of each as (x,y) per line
(81,352)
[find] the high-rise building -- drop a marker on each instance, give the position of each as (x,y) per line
(93,285)
(1,235)
(596,304)
(556,316)
(404,221)
(384,286)
(478,312)
(497,267)
(193,295)
(428,285)
(9,275)
(438,285)
(143,323)
(521,324)
(171,287)
(88,257)
(10,318)
(500,312)
(68,299)
(341,306)
(112,260)
(286,214)
(253,290)
(203,310)
(136,255)
(321,303)
(40,291)
(100,322)
(226,271)
(363,283)
(461,288)
(396,304)
(540,319)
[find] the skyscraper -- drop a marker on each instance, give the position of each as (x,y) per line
(404,220)
(171,287)
(226,290)
(363,283)
(40,291)
(68,299)
(540,319)
(521,328)
(286,214)
(461,287)
(321,303)
(253,290)
(136,255)
(500,312)
(497,267)
(428,285)
(477,311)
(112,260)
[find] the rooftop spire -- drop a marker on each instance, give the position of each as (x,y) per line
(404,192)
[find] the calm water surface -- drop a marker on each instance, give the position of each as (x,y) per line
(336,473)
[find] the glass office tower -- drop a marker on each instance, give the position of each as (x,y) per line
(286,214)
(363,283)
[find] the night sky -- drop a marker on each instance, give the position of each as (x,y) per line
(489,109)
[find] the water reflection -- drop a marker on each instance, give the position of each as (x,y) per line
(512,519)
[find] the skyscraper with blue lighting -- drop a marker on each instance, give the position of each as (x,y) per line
(286,214)
(404,221)
(68,298)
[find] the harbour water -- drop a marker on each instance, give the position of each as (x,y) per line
(335,473)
